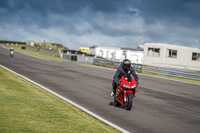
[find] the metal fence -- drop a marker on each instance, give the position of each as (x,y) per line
(187,74)
(72,57)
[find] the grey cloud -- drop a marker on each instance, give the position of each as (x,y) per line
(79,22)
(184,12)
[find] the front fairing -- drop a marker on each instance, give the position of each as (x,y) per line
(124,88)
(11,51)
(128,83)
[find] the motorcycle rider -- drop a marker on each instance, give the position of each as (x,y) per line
(11,52)
(11,49)
(123,70)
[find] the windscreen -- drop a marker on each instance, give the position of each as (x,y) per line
(128,78)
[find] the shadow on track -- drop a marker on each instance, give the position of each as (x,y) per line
(114,104)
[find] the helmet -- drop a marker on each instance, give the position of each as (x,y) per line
(126,64)
(11,48)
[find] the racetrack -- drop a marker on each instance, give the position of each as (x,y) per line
(161,106)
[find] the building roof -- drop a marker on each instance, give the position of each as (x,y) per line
(108,47)
(93,46)
(132,49)
(170,45)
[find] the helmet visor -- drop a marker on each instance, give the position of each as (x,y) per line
(127,66)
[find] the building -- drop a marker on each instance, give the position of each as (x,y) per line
(173,56)
(103,51)
(133,54)
(119,54)
(30,43)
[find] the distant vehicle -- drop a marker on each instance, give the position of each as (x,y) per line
(11,51)
(84,49)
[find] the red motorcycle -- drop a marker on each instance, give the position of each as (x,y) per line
(125,92)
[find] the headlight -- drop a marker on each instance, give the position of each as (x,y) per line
(126,86)
(133,86)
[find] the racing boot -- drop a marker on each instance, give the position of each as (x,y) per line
(112,94)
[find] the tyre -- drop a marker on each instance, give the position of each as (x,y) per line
(129,102)
(117,103)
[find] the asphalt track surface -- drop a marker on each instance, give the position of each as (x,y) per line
(161,106)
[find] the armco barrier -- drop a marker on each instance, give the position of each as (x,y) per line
(72,57)
(114,64)
(194,75)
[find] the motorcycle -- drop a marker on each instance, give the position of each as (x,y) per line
(125,92)
(11,52)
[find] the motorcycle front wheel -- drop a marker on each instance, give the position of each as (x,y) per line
(129,102)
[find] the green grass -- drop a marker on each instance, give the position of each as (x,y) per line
(25,107)
(156,75)
(37,54)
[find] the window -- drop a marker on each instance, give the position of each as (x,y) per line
(171,53)
(155,52)
(124,54)
(196,56)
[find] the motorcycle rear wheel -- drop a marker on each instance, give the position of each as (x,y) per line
(129,102)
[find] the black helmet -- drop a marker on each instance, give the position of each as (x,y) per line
(126,64)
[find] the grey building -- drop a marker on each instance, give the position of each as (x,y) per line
(166,55)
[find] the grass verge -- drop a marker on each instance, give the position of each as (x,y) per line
(25,107)
(37,54)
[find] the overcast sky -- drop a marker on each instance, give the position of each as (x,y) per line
(118,23)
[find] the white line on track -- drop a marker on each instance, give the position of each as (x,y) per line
(71,102)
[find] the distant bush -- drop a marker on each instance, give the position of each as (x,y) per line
(54,46)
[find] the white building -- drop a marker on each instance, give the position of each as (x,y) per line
(134,55)
(165,55)
(104,52)
(113,53)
